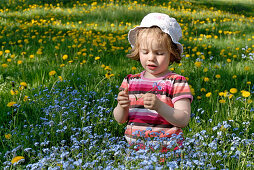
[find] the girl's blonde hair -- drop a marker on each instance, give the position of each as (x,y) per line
(163,38)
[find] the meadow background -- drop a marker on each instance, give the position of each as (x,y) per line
(61,63)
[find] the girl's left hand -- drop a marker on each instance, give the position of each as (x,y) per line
(151,101)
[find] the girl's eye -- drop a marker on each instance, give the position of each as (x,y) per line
(160,53)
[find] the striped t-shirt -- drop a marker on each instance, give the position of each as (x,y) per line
(142,122)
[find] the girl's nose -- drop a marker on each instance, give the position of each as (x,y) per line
(151,57)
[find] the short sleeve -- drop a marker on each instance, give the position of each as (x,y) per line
(181,89)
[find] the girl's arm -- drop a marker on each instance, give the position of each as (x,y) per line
(121,114)
(121,111)
(178,116)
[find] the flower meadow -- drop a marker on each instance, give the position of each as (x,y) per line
(61,64)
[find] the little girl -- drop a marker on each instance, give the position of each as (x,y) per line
(156,102)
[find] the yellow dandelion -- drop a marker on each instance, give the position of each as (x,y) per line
(192,91)
(246,68)
(206,79)
(62,65)
(84,61)
(249,101)
(25,98)
(17,159)
(233,90)
(225,93)
(203,90)
(230,96)
(23,84)
(248,82)
(208,94)
(4,65)
(65,57)
(11,104)
(222,101)
(8,60)
(108,75)
(31,56)
(7,136)
(14,92)
(221,93)
(216,66)
(133,68)
(60,78)
(198,64)
(229,60)
(52,73)
(1,53)
(107,68)
(234,76)
(71,61)
(205,70)
(7,51)
(172,69)
(245,93)
(96,58)
(218,76)
(39,52)
(199,97)
(103,66)
(20,61)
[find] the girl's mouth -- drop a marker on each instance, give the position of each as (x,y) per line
(151,67)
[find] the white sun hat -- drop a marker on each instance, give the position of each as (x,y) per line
(164,22)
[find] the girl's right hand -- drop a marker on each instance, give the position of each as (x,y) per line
(123,98)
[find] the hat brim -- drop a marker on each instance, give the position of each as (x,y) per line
(133,33)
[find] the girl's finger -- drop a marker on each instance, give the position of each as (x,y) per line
(122,98)
(124,103)
(126,91)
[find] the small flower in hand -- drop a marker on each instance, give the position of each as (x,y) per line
(155,88)
(151,101)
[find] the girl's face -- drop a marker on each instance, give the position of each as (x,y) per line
(154,56)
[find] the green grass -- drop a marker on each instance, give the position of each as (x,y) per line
(215,33)
(232,6)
